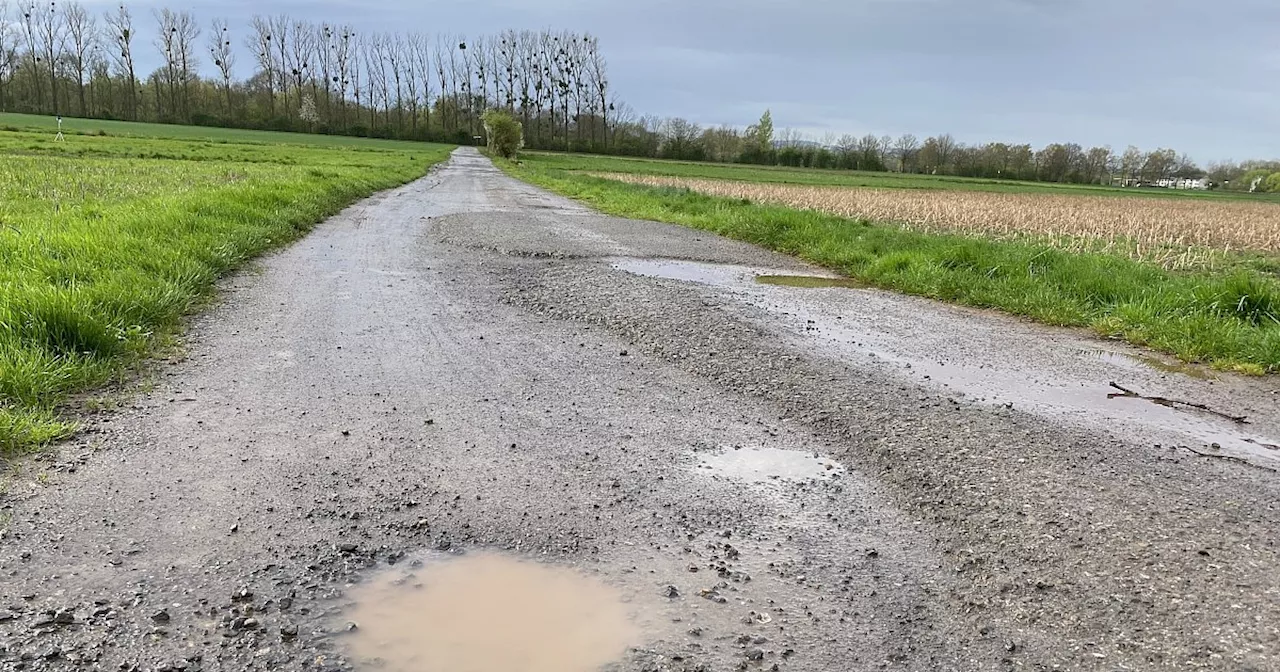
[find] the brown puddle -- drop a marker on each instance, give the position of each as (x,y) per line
(486,612)
(809,281)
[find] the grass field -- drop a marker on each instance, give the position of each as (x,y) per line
(1227,316)
(121,129)
(585,163)
(107,241)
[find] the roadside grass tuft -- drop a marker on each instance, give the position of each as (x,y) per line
(1225,319)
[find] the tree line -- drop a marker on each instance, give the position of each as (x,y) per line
(942,155)
(60,58)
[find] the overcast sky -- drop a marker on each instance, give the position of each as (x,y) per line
(1197,76)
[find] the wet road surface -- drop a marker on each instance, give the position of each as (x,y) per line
(473,409)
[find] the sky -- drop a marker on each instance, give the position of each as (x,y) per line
(1196,76)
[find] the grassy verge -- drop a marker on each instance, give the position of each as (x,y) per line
(106,242)
(1229,320)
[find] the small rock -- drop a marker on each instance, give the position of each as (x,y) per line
(235,528)
(250,624)
(671,592)
(755,654)
(695,632)
(242,595)
(1011,646)
(873,553)
(348,548)
(623,353)
(161,616)
(352,627)
(288,632)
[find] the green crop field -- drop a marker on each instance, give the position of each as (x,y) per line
(30,122)
(586,163)
(108,240)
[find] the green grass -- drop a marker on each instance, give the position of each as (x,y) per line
(106,242)
(1230,320)
(30,122)
(587,163)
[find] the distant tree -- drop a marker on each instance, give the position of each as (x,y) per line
(223,57)
(82,30)
(905,148)
(8,53)
(121,35)
(758,140)
(51,32)
(722,144)
(680,139)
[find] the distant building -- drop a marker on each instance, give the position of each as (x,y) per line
(1201,183)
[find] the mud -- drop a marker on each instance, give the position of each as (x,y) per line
(485,612)
(462,367)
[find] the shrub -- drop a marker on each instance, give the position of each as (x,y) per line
(505,134)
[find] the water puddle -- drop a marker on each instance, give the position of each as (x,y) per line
(486,612)
(1129,360)
(763,465)
(997,361)
(721,275)
(809,281)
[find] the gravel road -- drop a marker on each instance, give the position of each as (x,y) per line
(763,477)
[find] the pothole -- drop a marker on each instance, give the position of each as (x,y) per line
(485,612)
(701,272)
(764,465)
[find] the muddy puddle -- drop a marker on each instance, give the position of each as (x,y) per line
(765,465)
(485,612)
(1002,361)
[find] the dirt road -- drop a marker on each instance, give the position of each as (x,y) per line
(467,417)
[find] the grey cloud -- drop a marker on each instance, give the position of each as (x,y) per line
(1187,74)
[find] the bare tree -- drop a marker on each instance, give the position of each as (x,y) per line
(392,53)
(51,32)
(342,60)
(223,56)
(945,147)
(186,34)
(166,42)
(280,43)
(301,52)
(600,86)
(120,32)
(8,52)
(324,64)
(409,57)
(260,41)
(82,29)
(905,147)
(443,75)
(30,24)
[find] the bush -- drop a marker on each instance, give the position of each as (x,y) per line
(505,134)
